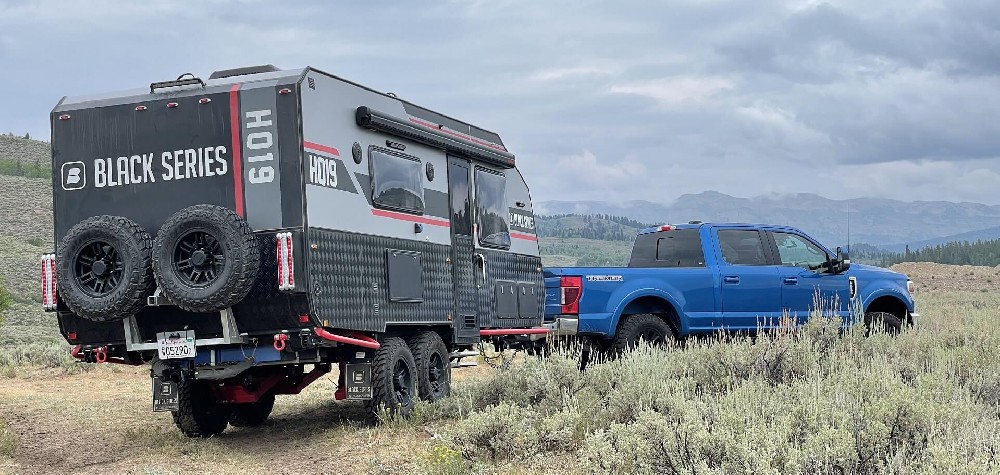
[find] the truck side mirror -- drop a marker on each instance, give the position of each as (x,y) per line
(842,263)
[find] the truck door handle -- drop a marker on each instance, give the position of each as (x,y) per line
(731,279)
(791,280)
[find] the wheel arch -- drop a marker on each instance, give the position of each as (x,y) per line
(890,304)
(658,304)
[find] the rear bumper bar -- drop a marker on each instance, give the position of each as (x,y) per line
(563,326)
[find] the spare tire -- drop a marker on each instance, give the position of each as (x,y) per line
(104,270)
(205,258)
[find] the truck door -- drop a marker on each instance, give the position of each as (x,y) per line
(751,296)
(462,251)
(804,284)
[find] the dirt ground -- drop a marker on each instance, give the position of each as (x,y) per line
(99,421)
(931,277)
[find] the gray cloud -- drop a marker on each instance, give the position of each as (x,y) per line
(599,100)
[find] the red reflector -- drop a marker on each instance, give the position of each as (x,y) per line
(140,108)
(285,91)
(171,105)
(71,336)
(286,268)
(666,227)
(303,318)
(571,287)
(64,117)
(204,100)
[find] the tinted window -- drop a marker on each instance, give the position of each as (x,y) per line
(491,208)
(461,206)
(396,182)
(677,248)
(796,250)
(742,247)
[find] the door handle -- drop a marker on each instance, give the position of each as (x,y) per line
(791,280)
(731,279)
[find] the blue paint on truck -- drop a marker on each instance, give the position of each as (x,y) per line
(702,278)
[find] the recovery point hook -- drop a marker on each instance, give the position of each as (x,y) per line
(101,354)
(279,341)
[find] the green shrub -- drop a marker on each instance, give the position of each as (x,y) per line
(5,301)
(19,168)
(8,443)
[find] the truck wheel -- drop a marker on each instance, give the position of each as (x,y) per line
(205,258)
(646,327)
(104,268)
(430,355)
(890,323)
(394,381)
(252,414)
(199,414)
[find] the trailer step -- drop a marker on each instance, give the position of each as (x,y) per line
(463,364)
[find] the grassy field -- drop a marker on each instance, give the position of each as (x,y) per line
(806,401)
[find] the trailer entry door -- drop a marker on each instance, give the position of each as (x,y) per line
(462,250)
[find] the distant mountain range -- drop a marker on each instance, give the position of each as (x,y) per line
(889,224)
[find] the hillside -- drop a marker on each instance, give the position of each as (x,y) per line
(872,220)
(25,150)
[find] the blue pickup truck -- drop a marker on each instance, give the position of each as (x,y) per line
(699,278)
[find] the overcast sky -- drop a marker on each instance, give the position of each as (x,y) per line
(610,100)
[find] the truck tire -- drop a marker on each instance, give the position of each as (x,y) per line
(646,327)
(889,323)
(205,258)
(199,415)
(252,414)
(430,355)
(104,270)
(394,382)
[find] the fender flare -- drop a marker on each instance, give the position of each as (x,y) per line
(647,292)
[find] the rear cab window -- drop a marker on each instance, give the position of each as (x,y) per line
(675,248)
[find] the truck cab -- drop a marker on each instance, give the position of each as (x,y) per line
(700,278)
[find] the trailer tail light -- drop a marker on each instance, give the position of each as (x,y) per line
(570,289)
(49,282)
(286,268)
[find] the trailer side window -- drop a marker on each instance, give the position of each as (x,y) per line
(396,182)
(491,209)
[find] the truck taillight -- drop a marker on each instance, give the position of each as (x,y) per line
(286,268)
(570,289)
(48,282)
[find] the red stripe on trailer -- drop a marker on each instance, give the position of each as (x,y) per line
(409,217)
(234,124)
(513,331)
(526,237)
(320,148)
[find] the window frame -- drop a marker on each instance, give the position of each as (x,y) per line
(476,223)
(373,179)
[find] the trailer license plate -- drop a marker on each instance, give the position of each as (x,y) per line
(358,381)
(176,344)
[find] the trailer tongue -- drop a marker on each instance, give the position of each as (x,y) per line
(245,234)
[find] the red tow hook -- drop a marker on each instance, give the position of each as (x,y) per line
(77,352)
(279,341)
(101,354)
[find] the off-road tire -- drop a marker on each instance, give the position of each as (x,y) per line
(131,245)
(890,323)
(391,354)
(199,415)
(430,354)
(230,282)
(645,326)
(252,414)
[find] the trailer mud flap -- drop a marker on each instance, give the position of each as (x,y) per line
(165,396)
(358,381)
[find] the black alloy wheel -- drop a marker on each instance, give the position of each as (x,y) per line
(198,258)
(98,268)
(402,383)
